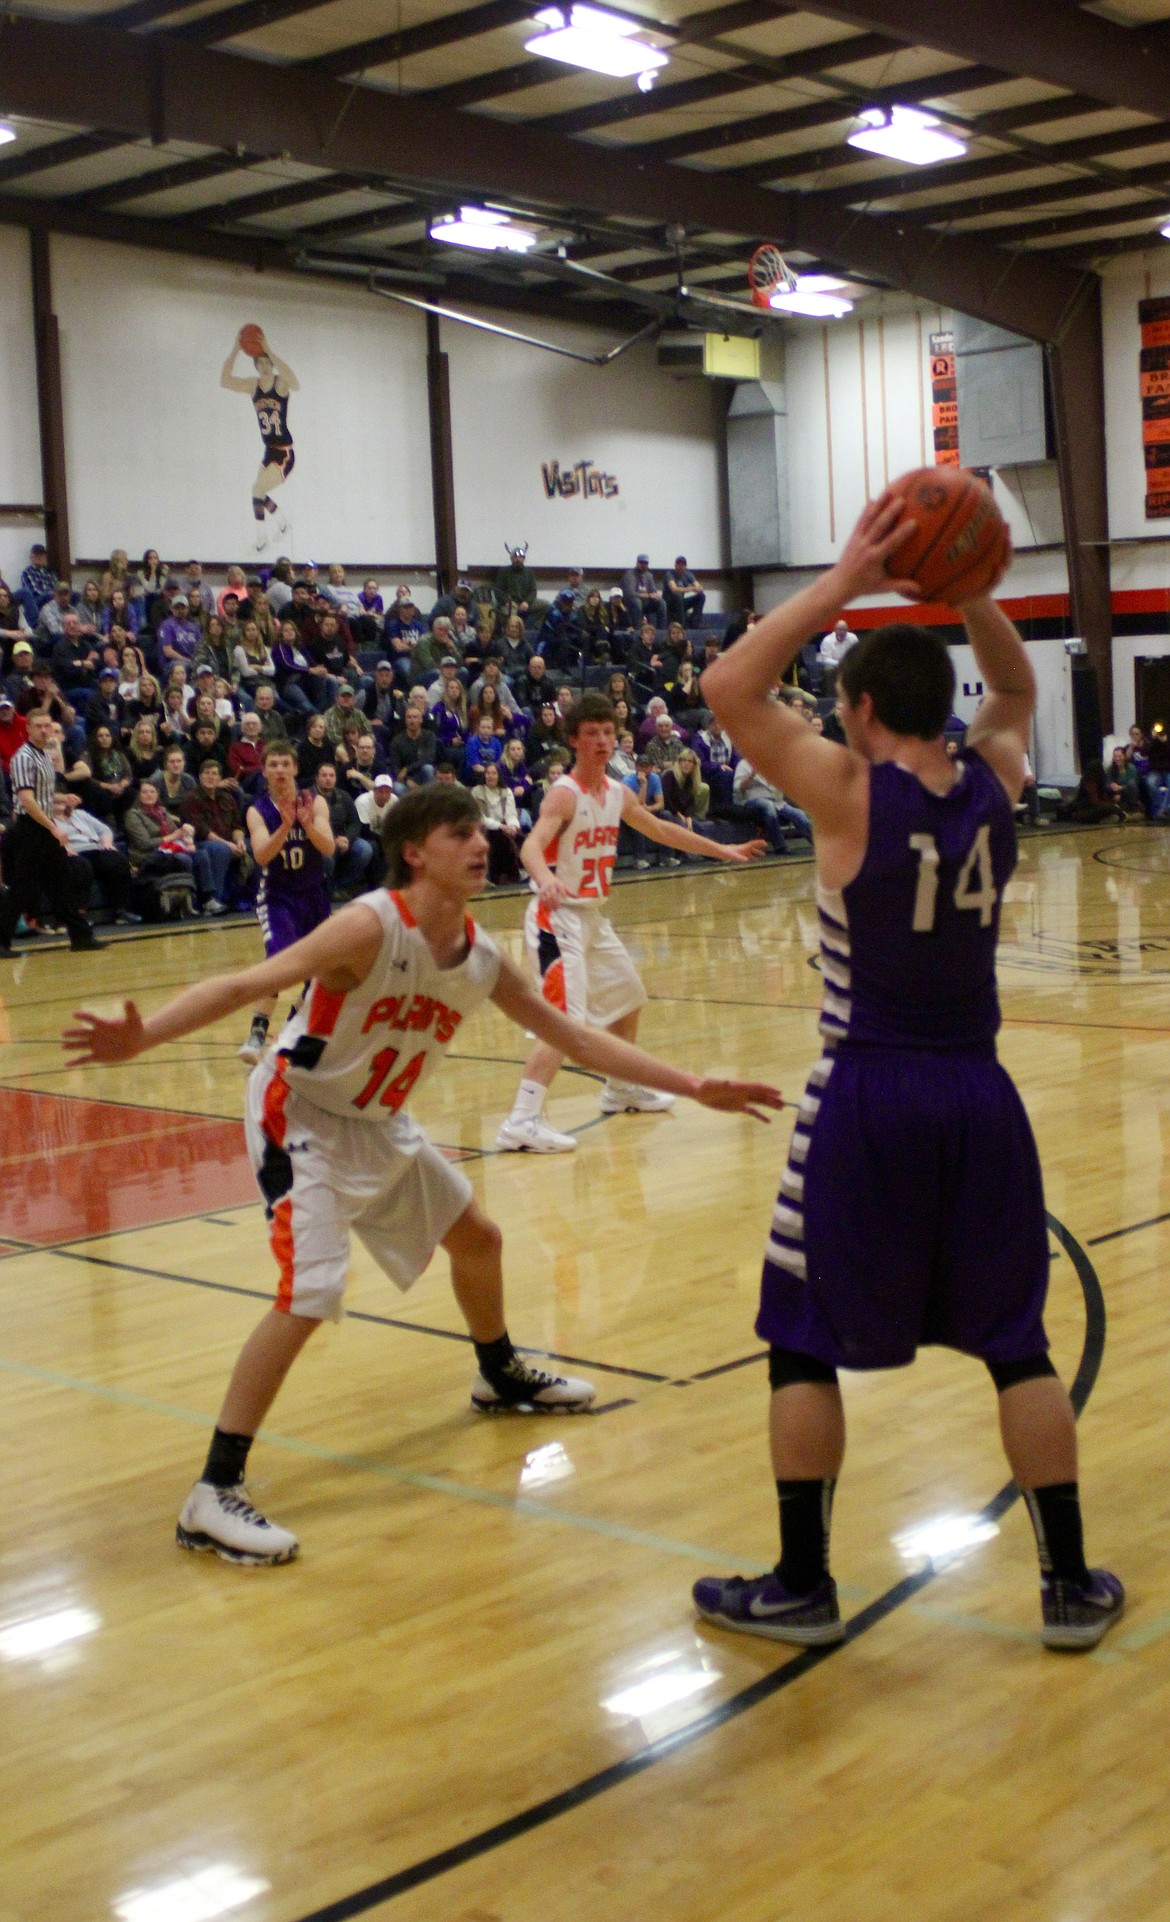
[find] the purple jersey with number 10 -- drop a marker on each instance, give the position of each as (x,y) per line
(293,896)
(912,1207)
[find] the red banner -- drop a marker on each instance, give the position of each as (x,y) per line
(944,399)
(1154,375)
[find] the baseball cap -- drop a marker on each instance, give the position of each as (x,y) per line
(6,700)
(448,660)
(383,780)
(21,647)
(566,594)
(181,601)
(462,582)
(204,667)
(382,664)
(345,688)
(110,674)
(643,560)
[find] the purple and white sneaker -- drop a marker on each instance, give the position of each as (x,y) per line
(1078,1614)
(763,1606)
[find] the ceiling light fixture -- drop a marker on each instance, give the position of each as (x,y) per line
(902,133)
(484,228)
(815,296)
(601,42)
(1165,231)
(6,134)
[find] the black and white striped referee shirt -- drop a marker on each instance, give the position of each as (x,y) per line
(31,767)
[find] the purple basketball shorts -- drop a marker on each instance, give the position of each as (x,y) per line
(285,918)
(911,1212)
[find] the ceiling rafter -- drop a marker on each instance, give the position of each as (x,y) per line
(161,180)
(272,200)
(428,37)
(1084,221)
(166,89)
(57,153)
(213,28)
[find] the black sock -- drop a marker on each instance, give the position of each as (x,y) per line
(260,1021)
(806,1513)
(258,508)
(226,1459)
(493,1356)
(1056,1518)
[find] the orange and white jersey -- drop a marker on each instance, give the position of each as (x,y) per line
(363,1053)
(583,854)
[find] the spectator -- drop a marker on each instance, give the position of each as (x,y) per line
(363,763)
(174,726)
(622,718)
(405,627)
(110,769)
(622,621)
(213,650)
(200,598)
(90,843)
(448,718)
(157,841)
(335,649)
(545,734)
(461,596)
(151,572)
(90,612)
(641,593)
(685,599)
(515,647)
(104,704)
(344,597)
(462,629)
(365,618)
(514,775)
(833,649)
(13,623)
(491,702)
(35,860)
(237,585)
(497,805)
(252,660)
(766,804)
(51,622)
(344,710)
(204,743)
(174,783)
(413,751)
(646,783)
(595,624)
(1124,784)
(686,794)
(537,685)
(179,635)
(37,583)
(685,698)
(516,590)
(624,759)
(449,677)
(665,744)
(272,725)
(372,810)
(1157,776)
(312,750)
(118,611)
(220,847)
(74,659)
(427,656)
(383,704)
(352,852)
(492,676)
(716,758)
(304,685)
(13,730)
(142,751)
(245,756)
(147,703)
(560,640)
(485,748)
(644,658)
(655,706)
(576,587)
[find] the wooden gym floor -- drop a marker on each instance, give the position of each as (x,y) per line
(481,1695)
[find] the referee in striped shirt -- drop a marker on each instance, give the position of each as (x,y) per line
(36,863)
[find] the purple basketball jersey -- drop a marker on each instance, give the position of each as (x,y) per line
(908,948)
(299,868)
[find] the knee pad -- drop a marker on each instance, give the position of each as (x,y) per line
(1006,1374)
(786,1367)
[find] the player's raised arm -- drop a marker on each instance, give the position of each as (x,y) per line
(235,383)
(284,374)
(267,842)
(339,954)
(605,1053)
(818,775)
(1003,724)
(636,816)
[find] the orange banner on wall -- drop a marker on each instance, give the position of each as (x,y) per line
(944,400)
(1154,379)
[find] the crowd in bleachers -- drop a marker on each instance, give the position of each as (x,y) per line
(164,690)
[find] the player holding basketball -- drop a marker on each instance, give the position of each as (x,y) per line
(576,956)
(291,841)
(269,393)
(393,977)
(912,1209)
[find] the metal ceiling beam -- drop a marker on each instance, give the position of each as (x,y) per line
(212,28)
(57,153)
(298,193)
(1085,187)
(713,86)
(1046,40)
(348,226)
(426,38)
(160,180)
(154,86)
(142,13)
(1083,222)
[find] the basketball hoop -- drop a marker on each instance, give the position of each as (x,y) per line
(767,272)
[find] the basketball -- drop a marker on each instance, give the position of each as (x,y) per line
(252,341)
(960,540)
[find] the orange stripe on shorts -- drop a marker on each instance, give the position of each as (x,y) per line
(280,1236)
(553,986)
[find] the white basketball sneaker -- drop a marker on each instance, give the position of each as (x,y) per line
(521,1390)
(625,1098)
(223,1521)
(534,1136)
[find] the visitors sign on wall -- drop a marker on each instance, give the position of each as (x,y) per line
(1154,364)
(583,481)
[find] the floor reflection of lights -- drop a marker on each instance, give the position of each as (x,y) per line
(204,1894)
(46,1637)
(943,1538)
(659,1692)
(543,1466)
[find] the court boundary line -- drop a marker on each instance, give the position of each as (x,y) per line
(578,1794)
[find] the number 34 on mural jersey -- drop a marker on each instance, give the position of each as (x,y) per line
(974,889)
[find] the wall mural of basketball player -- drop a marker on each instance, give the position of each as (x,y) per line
(269,391)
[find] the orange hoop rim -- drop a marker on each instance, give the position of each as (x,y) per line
(767,270)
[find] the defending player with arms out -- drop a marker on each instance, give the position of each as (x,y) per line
(291,841)
(393,977)
(912,1207)
(268,392)
(576,956)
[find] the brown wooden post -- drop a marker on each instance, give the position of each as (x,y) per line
(1077,379)
(50,407)
(442,458)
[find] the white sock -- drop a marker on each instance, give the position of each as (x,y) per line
(529,1101)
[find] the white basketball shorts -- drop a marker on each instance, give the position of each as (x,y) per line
(581,965)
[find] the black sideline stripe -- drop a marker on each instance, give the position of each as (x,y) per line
(592,1786)
(1115,1233)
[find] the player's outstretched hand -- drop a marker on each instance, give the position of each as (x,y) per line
(100,1040)
(861,569)
(554,893)
(744,850)
(739,1097)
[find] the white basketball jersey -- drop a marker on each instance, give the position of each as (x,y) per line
(363,1053)
(583,854)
